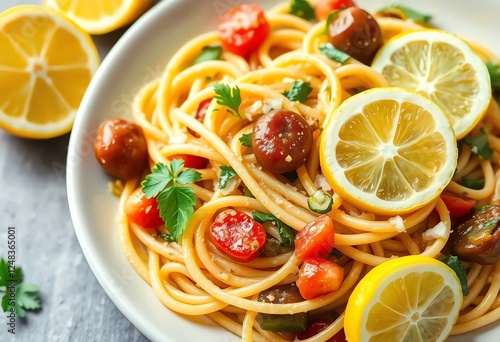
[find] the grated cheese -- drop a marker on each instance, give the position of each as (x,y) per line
(439,231)
(398,223)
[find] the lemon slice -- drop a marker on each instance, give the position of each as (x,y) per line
(101,16)
(388,150)
(444,68)
(46,64)
(411,298)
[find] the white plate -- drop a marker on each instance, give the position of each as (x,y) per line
(137,58)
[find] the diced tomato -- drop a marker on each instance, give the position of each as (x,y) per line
(143,211)
(324,7)
(316,239)
(201,111)
(191,161)
(318,277)
(317,326)
(243,29)
(458,205)
(237,235)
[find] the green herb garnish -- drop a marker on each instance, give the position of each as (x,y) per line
(246,140)
(298,91)
(479,145)
(208,53)
(226,173)
(333,53)
(18,297)
(302,9)
(329,20)
(472,183)
(167,237)
(287,234)
(175,200)
(229,97)
(454,263)
(409,12)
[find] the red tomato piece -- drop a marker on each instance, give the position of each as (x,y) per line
(324,7)
(316,239)
(143,211)
(318,277)
(237,235)
(191,161)
(458,205)
(243,29)
(317,326)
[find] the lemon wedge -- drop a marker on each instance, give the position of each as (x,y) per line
(388,150)
(101,16)
(46,64)
(411,298)
(442,67)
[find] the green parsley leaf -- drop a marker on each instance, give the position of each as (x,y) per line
(226,173)
(298,91)
(166,237)
(209,53)
(494,70)
(329,20)
(333,53)
(409,12)
(188,176)
(287,234)
(229,97)
(155,182)
(454,263)
(472,183)
(302,9)
(246,140)
(479,145)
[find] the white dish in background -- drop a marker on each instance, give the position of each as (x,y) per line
(137,58)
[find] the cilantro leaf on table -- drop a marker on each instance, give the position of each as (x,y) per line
(208,53)
(479,145)
(175,200)
(333,53)
(302,9)
(246,140)
(25,296)
(298,91)
(287,234)
(409,12)
(226,173)
(229,97)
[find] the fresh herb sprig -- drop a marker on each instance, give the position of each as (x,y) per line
(333,53)
(302,9)
(454,263)
(494,71)
(298,91)
(175,200)
(246,140)
(479,145)
(287,234)
(229,97)
(226,173)
(208,53)
(18,297)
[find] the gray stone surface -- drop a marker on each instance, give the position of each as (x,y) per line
(33,199)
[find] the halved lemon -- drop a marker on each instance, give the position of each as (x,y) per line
(442,67)
(46,64)
(101,16)
(411,298)
(388,150)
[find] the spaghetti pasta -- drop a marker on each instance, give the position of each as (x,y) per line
(192,276)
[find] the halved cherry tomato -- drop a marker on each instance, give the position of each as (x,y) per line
(458,205)
(238,235)
(200,114)
(324,7)
(316,239)
(243,29)
(143,211)
(317,326)
(318,277)
(191,161)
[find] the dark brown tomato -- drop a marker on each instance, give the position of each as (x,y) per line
(281,141)
(357,33)
(120,148)
(478,238)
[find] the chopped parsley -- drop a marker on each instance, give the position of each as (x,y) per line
(298,91)
(18,297)
(226,173)
(302,9)
(229,97)
(454,263)
(167,237)
(175,200)
(333,53)
(494,70)
(246,140)
(408,12)
(471,183)
(479,145)
(208,53)
(287,234)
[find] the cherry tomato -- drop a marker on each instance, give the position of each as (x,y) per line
(237,235)
(458,205)
(357,33)
(143,211)
(120,148)
(317,326)
(316,239)
(191,161)
(318,277)
(200,114)
(324,7)
(281,141)
(243,29)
